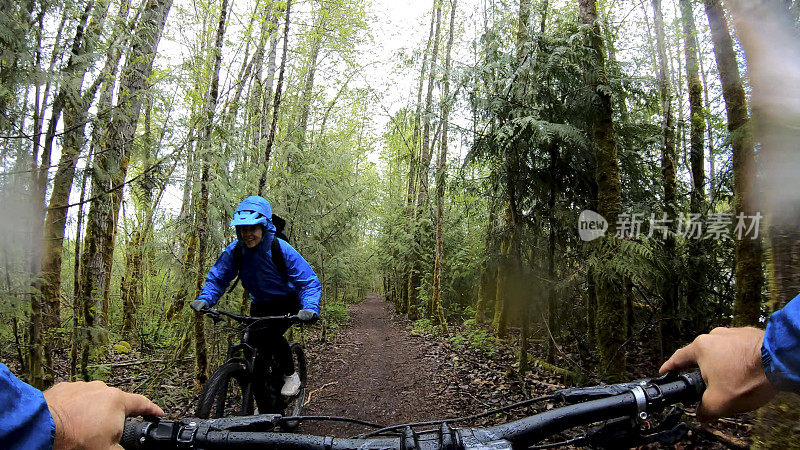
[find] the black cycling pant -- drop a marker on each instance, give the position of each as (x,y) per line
(270,340)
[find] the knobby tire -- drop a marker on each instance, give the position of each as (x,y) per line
(215,393)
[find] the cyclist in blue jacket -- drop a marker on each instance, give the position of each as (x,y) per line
(66,416)
(744,367)
(274,290)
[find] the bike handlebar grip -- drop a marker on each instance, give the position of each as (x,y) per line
(130,432)
(695,379)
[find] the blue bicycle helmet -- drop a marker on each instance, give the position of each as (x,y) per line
(253,210)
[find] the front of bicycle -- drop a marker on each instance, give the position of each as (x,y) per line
(624,413)
(249,382)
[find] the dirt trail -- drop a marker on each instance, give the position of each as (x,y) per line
(374,371)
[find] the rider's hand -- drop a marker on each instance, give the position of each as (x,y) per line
(307,315)
(91,415)
(199,305)
(730,362)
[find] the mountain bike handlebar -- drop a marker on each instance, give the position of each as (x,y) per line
(625,408)
(215,313)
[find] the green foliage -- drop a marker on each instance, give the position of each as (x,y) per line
(474,337)
(424,326)
(624,260)
(336,314)
(100,372)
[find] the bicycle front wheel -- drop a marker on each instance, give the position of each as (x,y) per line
(228,392)
(294,405)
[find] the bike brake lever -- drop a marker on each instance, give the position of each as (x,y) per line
(625,432)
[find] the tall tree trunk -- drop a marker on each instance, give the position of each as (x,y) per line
(507,274)
(551,254)
(426,154)
(276,103)
(77,309)
(697,201)
(413,171)
(709,128)
(306,97)
(113,142)
(44,304)
(610,305)
(669,321)
(201,353)
(518,151)
(75,112)
(749,277)
(487,289)
(261,96)
(269,80)
(435,311)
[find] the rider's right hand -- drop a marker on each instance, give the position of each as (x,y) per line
(307,316)
(199,305)
(730,361)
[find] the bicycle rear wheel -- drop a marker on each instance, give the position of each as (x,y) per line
(294,405)
(227,393)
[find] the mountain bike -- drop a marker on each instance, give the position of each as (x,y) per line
(624,415)
(248,379)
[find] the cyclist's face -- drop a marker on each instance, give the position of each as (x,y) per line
(251,235)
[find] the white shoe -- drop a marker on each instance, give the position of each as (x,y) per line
(291,385)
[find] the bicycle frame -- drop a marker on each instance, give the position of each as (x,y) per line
(249,354)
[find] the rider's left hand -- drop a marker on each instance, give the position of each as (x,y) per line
(91,415)
(307,316)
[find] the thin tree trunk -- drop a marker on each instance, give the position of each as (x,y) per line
(407,275)
(506,274)
(551,253)
(276,103)
(311,68)
(426,155)
(518,150)
(436,312)
(201,353)
(697,259)
(77,310)
(709,128)
(669,321)
(487,289)
(749,277)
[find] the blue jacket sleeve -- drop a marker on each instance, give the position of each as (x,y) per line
(25,420)
(780,352)
(219,277)
(302,277)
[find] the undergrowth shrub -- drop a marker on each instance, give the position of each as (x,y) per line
(474,337)
(337,314)
(424,326)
